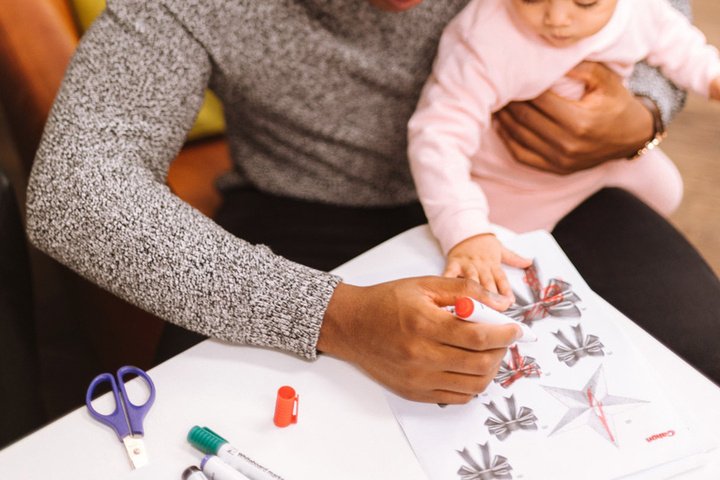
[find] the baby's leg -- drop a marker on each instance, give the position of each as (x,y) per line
(653,178)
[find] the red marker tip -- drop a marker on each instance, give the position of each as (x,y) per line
(464,307)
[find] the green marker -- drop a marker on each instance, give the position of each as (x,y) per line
(210,442)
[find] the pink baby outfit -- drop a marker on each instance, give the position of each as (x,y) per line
(465,176)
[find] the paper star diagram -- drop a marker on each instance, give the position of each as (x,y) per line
(590,406)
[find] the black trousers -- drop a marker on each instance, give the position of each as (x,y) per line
(626,252)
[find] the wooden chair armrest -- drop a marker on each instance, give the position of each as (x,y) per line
(37,39)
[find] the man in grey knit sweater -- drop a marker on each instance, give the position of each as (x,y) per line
(317,94)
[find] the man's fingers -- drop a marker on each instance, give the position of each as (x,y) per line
(476,337)
(441,397)
(526,156)
(592,74)
(451,398)
(462,383)
(470,383)
(527,126)
(512,259)
(561,110)
(447,358)
(445,291)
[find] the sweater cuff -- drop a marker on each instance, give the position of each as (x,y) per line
(293,303)
(649,82)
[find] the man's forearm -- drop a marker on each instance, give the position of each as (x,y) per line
(97,200)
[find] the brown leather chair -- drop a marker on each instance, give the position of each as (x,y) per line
(76,321)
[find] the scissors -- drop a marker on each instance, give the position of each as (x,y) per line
(127,418)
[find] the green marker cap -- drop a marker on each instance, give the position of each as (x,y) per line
(205,439)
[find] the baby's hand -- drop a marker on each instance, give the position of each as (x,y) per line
(479,258)
(715,89)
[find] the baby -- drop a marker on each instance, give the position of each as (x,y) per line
(498,51)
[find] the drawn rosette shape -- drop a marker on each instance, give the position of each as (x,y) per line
(498,469)
(570,353)
(517,368)
(555,299)
(502,425)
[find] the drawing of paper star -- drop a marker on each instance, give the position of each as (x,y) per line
(589,405)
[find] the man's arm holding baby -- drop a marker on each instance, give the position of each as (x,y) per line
(565,136)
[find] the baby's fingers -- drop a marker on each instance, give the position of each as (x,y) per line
(486,278)
(460,269)
(470,272)
(452,270)
(503,285)
(512,259)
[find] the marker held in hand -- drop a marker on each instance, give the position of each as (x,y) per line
(471,310)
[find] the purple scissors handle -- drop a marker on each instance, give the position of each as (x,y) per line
(127,418)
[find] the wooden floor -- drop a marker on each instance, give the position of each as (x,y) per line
(694,145)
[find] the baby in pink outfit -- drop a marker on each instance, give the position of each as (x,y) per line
(498,51)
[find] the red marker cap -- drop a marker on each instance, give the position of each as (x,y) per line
(464,307)
(286,406)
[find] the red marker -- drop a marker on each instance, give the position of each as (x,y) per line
(471,310)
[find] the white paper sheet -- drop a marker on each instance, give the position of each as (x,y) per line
(594,412)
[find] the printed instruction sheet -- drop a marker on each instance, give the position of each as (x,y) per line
(578,403)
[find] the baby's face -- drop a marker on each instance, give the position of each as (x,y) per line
(564,22)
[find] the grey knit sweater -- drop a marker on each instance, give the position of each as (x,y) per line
(317,94)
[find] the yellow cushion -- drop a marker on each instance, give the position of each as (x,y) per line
(210,120)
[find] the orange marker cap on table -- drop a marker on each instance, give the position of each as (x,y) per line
(286,406)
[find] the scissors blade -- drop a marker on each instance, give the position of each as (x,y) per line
(135,447)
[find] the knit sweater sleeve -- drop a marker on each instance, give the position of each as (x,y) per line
(98,202)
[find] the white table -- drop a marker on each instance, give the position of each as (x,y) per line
(345,428)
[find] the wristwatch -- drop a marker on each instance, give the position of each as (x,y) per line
(659,132)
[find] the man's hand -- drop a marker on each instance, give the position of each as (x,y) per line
(480,258)
(564,136)
(400,335)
